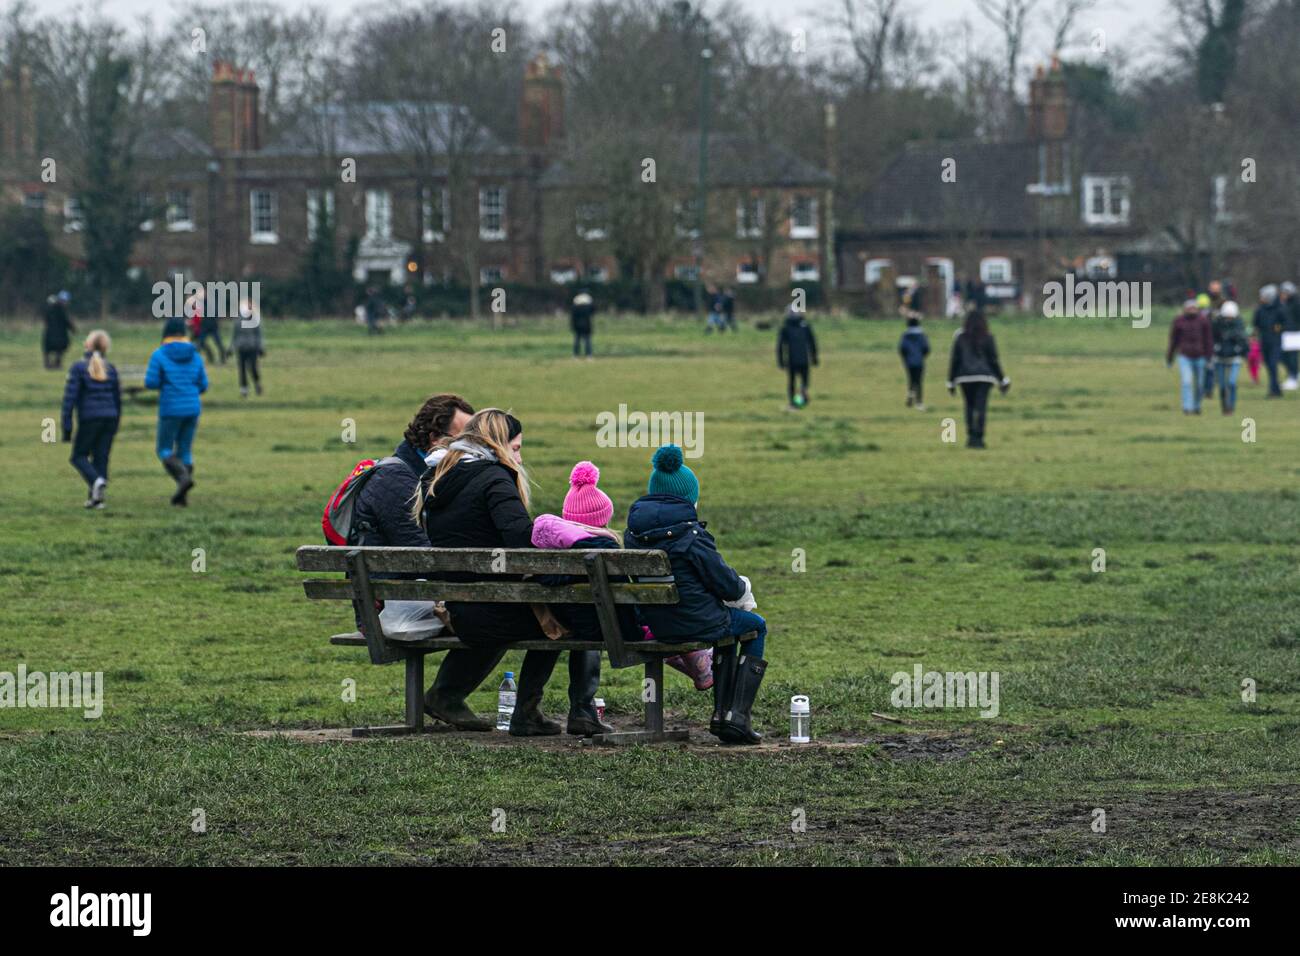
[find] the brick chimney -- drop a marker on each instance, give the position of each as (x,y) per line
(541,105)
(233,109)
(1048,120)
(17,115)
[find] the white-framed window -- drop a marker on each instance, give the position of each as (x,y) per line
(686,218)
(315,199)
(1100,267)
(34,202)
(435,210)
(688,273)
(875,269)
(180,211)
(492,213)
(591,220)
(747,272)
(74,217)
(597,274)
(489,275)
(1105,200)
(749,217)
(564,275)
(264,217)
(995,270)
(804,272)
(803,218)
(379,214)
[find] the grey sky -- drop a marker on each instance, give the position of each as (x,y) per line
(1135,28)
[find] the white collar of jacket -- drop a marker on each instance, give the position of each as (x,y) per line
(472,450)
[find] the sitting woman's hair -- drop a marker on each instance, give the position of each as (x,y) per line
(492,430)
(434,419)
(97,344)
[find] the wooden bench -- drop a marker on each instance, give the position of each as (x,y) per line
(597,567)
(131,378)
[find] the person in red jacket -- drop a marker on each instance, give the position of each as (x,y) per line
(1191,339)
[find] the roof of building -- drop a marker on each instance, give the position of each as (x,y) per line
(377,129)
(988,192)
(734,160)
(175,143)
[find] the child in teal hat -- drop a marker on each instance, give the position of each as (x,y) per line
(665,519)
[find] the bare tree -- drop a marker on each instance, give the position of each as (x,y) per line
(1011,17)
(1062,19)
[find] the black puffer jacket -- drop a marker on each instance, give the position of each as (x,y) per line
(383,511)
(581,619)
(704,580)
(477,505)
(973,361)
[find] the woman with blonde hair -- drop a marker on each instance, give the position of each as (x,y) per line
(477,497)
(95,394)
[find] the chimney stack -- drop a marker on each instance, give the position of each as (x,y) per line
(17,115)
(541,106)
(1048,120)
(233,109)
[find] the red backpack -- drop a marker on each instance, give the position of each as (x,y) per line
(337,520)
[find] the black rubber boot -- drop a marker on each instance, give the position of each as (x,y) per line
(459,676)
(184,478)
(528,719)
(724,679)
(735,726)
(584,681)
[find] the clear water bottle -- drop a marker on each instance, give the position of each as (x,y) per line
(800,720)
(506,701)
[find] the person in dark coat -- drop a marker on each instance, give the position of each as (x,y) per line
(1230,345)
(974,366)
(374,309)
(796,350)
(665,519)
(580,321)
(1290,303)
(383,518)
(56,336)
(914,346)
(729,308)
(1269,323)
(209,328)
(477,497)
(94,393)
(247,343)
(1191,340)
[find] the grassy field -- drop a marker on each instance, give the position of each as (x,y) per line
(1119,690)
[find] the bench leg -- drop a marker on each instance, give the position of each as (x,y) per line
(414,704)
(654,715)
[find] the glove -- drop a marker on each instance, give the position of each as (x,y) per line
(1004,386)
(952,389)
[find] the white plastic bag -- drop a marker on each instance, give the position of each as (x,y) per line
(410,620)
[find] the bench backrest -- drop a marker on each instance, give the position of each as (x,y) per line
(596,566)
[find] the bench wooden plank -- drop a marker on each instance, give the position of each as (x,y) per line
(505,592)
(485,560)
(433,644)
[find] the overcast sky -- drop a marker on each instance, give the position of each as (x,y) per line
(1135,27)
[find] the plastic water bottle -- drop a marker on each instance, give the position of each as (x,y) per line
(506,701)
(800,720)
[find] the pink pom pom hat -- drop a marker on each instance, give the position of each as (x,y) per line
(585,502)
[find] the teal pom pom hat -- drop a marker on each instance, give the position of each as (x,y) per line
(671,476)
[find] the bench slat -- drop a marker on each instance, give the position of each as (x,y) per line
(483,560)
(356,639)
(505,592)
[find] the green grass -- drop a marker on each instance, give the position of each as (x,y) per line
(1120,690)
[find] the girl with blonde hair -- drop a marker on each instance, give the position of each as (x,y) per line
(94,393)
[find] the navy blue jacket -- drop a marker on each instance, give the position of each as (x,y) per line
(668,523)
(383,510)
(796,345)
(581,619)
(91,399)
(914,346)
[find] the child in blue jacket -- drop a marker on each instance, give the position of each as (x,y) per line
(914,346)
(94,393)
(665,519)
(176,370)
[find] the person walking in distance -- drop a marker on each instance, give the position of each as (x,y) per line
(796,351)
(914,346)
(1230,345)
(56,336)
(247,344)
(1191,340)
(580,321)
(1269,322)
(176,370)
(974,367)
(94,393)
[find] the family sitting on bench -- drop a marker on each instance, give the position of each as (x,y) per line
(464,485)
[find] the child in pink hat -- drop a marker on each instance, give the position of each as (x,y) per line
(584,523)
